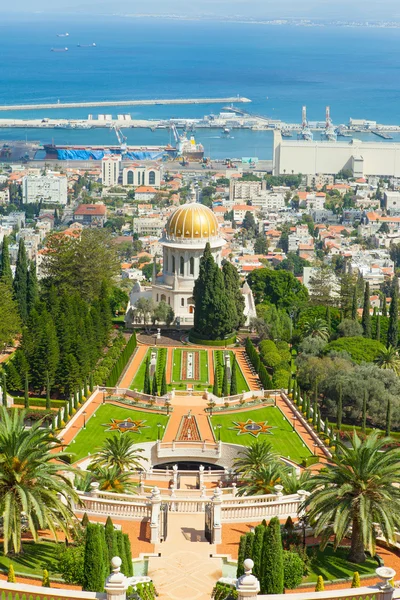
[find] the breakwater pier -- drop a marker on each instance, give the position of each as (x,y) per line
(236,99)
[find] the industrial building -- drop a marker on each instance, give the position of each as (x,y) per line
(328,158)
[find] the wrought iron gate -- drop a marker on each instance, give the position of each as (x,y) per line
(163,521)
(209,522)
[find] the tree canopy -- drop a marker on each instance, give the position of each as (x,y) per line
(277,287)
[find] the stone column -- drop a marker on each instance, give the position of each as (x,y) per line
(116,583)
(155,516)
(94,489)
(201,476)
(175,476)
(217,526)
(247,585)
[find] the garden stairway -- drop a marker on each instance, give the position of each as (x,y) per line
(184,568)
(181,406)
(252,380)
(133,367)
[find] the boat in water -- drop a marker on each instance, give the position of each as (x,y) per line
(59,49)
(86,45)
(226,130)
(62,34)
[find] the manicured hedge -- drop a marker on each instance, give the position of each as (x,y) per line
(20,401)
(121,361)
(196,340)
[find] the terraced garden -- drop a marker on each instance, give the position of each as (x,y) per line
(242,385)
(161,355)
(185,372)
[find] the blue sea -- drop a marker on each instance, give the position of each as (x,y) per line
(354,70)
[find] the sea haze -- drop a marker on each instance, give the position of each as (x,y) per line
(354,70)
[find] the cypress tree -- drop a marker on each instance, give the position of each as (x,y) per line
(154,389)
(121,551)
(128,554)
(356,580)
(4,389)
(339,413)
(393,330)
(326,427)
(320,584)
(109,533)
(78,397)
(388,417)
(257,549)
(272,564)
(384,307)
(233,290)
(20,284)
(225,383)
(308,408)
(328,319)
(48,399)
(11,574)
(26,391)
(54,422)
(164,388)
(378,328)
(215,385)
(59,420)
(364,413)
(319,422)
(248,549)
(354,305)
(233,390)
(85,388)
(289,385)
(5,266)
(104,551)
(215,314)
(366,317)
(91,383)
(32,291)
(241,556)
(75,398)
(147,384)
(93,569)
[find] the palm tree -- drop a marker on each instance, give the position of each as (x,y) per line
(263,480)
(254,457)
(317,328)
(360,488)
(118,451)
(293,483)
(111,479)
(31,483)
(388,358)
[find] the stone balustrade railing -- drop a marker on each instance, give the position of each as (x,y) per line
(184,449)
(134,509)
(16,591)
(260,507)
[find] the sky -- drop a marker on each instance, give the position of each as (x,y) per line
(331,9)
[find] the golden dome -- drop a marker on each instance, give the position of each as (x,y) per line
(192,221)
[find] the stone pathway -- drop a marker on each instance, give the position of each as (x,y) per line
(185,569)
(133,367)
(181,405)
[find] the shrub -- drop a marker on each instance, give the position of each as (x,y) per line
(320,584)
(11,574)
(272,559)
(45,578)
(280,378)
(356,580)
(293,568)
(269,354)
(94,568)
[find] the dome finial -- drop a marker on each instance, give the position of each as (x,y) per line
(193,195)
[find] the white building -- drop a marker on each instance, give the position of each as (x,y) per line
(392,201)
(138,175)
(186,234)
(301,236)
(246,190)
(110,167)
(328,158)
(148,226)
(240,210)
(4,196)
(48,189)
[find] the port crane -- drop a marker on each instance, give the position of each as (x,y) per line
(122,139)
(306,133)
(330,134)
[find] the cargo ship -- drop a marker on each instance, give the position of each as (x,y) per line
(59,49)
(88,153)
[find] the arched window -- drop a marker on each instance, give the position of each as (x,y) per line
(163,297)
(192,266)
(152,178)
(130,178)
(182,266)
(173,264)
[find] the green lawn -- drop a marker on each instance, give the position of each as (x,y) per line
(219,362)
(138,382)
(282,439)
(89,440)
(33,560)
(199,384)
(335,565)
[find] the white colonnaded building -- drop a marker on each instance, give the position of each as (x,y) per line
(185,236)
